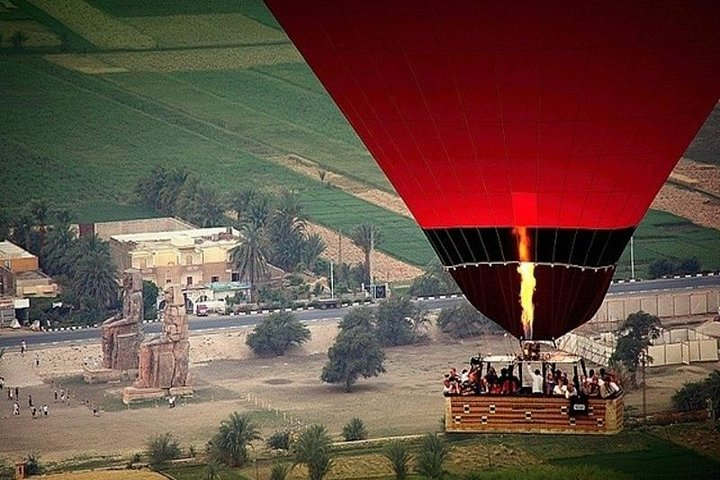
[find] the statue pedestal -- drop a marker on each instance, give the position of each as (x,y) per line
(107,375)
(134,395)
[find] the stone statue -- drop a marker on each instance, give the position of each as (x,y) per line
(121,335)
(164,359)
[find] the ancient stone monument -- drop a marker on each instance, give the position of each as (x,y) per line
(121,335)
(164,359)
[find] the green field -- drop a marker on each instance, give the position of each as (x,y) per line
(97,140)
(82,141)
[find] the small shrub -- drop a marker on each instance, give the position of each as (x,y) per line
(191,451)
(279,440)
(433,453)
(33,465)
(279,471)
(354,430)
(162,448)
(399,456)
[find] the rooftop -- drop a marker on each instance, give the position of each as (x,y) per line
(10,250)
(183,237)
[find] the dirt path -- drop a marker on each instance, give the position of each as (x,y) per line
(360,190)
(385,267)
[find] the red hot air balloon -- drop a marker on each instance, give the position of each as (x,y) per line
(520,132)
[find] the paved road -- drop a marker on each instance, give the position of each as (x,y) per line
(198,324)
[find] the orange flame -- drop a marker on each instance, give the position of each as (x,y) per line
(526,269)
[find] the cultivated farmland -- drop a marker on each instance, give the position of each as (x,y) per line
(98,28)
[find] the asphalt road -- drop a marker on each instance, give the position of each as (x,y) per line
(213,322)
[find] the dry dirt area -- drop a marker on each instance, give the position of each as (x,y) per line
(282,391)
(107,475)
(698,204)
(384,266)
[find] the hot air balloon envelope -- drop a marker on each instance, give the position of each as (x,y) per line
(561,117)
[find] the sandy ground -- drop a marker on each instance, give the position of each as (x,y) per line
(700,204)
(229,378)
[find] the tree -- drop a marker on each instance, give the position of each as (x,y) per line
(399,456)
(5,224)
(94,281)
(360,318)
(248,256)
(230,443)
(200,204)
(279,471)
(432,456)
(692,396)
(398,320)
(40,213)
(434,281)
(279,440)
(60,241)
(689,266)
(314,247)
(161,448)
(150,293)
(356,352)
(366,237)
(212,471)
(171,187)
(313,448)
(18,39)
(661,267)
(286,232)
(635,335)
(354,430)
(463,321)
(276,333)
(242,203)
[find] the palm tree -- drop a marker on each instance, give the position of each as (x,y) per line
(313,448)
(172,186)
(242,203)
(5,224)
(200,204)
(94,281)
(231,441)
(366,237)
(18,39)
(60,242)
(40,212)
(147,189)
(398,455)
(248,257)
(314,246)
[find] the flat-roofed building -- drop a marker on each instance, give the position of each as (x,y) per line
(20,275)
(192,258)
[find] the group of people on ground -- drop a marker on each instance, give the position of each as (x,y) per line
(555,383)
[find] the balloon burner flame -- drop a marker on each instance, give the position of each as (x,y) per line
(526,269)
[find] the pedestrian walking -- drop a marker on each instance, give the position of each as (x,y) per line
(2,382)
(16,408)
(45,410)
(30,402)
(9,393)
(95,410)
(33,412)
(37,360)
(17,394)
(62,396)
(23,347)
(55,395)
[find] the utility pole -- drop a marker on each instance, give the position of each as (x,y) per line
(332,281)
(644,393)
(369,265)
(340,246)
(632,258)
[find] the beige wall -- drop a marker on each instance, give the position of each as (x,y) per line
(616,308)
(22,264)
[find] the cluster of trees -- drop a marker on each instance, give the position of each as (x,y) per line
(434,281)
(464,321)
(177,193)
(82,267)
(666,266)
